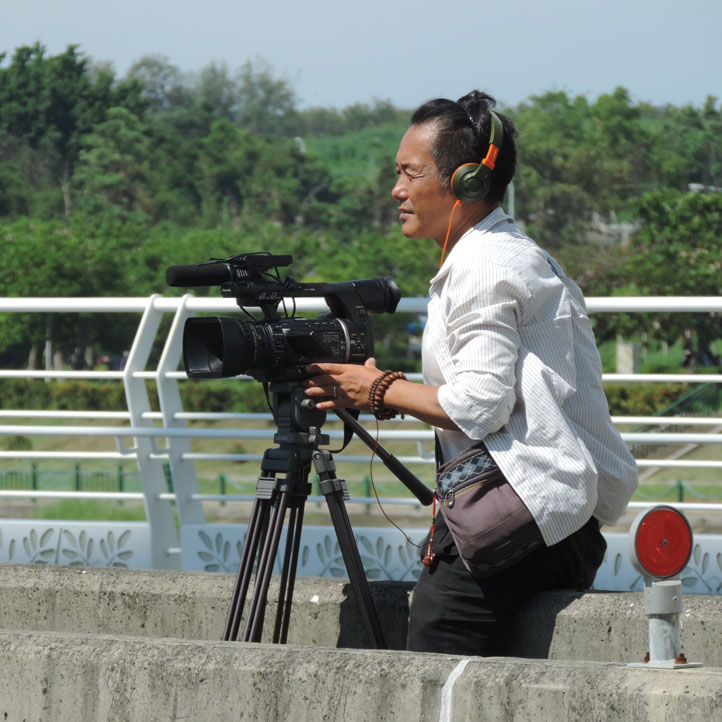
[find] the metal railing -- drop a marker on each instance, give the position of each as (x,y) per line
(160,440)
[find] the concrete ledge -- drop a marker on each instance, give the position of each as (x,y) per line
(595,626)
(612,627)
(186,605)
(54,676)
(118,645)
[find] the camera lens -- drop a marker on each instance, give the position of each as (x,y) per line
(219,347)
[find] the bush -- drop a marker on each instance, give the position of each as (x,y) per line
(16,443)
(238,396)
(62,395)
(248,397)
(216,396)
(642,399)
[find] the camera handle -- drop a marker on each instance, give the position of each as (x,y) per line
(283,487)
(411,482)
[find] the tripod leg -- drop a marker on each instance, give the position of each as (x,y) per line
(288,573)
(357,574)
(254,535)
(254,623)
(333,490)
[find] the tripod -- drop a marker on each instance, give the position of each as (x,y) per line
(283,487)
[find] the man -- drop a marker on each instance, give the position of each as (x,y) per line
(509,359)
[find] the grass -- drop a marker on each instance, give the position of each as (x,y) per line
(679,491)
(240,477)
(90,510)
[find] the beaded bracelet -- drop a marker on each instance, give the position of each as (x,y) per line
(377,392)
(373,391)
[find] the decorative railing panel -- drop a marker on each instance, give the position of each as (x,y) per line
(67,543)
(387,555)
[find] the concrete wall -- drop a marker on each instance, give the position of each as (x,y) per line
(184,605)
(100,644)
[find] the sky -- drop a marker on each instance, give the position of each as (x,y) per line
(335,54)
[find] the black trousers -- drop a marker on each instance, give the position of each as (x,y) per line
(455,613)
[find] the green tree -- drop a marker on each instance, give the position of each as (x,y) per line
(173,164)
(287,187)
(162,83)
(676,252)
(217,92)
(618,132)
(52,102)
(15,190)
(226,162)
(111,173)
(561,176)
(678,248)
(686,146)
(266,104)
(711,147)
(51,258)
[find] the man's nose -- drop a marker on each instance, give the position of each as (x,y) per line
(399,191)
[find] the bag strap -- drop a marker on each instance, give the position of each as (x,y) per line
(437,451)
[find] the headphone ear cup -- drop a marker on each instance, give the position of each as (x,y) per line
(470,182)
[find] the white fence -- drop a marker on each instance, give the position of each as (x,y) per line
(176,533)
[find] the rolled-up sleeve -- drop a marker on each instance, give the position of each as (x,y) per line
(482,305)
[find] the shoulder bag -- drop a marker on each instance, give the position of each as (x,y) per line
(491,526)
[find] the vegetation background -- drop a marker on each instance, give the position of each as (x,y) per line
(106,181)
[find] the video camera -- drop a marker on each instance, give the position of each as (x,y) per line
(278,348)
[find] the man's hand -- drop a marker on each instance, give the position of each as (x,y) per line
(338,386)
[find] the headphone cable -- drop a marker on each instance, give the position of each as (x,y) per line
(448,232)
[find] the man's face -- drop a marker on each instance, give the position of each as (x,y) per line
(424,208)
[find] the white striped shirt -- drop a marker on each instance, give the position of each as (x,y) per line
(509,343)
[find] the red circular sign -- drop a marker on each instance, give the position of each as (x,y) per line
(663,542)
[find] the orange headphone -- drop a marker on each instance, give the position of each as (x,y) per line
(471,181)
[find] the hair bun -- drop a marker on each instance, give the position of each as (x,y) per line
(476,104)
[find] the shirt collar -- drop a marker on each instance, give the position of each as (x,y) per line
(484,225)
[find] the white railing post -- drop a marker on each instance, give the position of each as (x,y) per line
(164,536)
(183,471)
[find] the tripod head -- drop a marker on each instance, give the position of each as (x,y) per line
(296,416)
(300,422)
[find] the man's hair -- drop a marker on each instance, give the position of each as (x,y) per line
(463,129)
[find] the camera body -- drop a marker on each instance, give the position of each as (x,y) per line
(278,348)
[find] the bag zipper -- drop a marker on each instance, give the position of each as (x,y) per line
(451,495)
